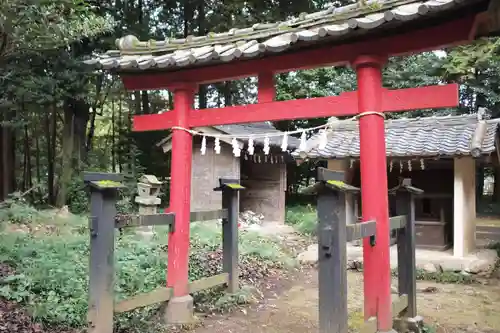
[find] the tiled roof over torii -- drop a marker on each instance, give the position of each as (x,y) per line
(330,26)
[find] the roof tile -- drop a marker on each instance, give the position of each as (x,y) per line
(262,38)
(417,137)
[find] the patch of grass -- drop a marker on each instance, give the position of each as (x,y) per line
(446,277)
(303,218)
(442,277)
(26,217)
(356,320)
(428,328)
(19,213)
(52,270)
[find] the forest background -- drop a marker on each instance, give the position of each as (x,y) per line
(59,117)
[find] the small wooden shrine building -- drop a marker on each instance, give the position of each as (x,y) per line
(440,155)
(263,176)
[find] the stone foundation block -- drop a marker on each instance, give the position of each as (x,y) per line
(179,311)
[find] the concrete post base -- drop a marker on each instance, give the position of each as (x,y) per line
(415,324)
(179,310)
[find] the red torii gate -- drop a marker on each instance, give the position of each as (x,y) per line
(370,99)
(369,102)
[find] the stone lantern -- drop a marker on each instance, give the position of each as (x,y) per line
(148,190)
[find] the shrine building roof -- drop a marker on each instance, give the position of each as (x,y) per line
(329,26)
(448,136)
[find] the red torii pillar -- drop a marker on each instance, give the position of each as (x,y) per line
(180,307)
(374,191)
(368,102)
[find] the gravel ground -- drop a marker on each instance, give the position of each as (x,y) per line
(292,306)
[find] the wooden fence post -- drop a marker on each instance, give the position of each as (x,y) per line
(103,188)
(332,253)
(230,201)
(333,235)
(407,274)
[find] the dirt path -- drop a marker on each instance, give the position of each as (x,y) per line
(292,307)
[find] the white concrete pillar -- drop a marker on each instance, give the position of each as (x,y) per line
(464,206)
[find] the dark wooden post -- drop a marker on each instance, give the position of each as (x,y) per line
(332,256)
(103,189)
(230,203)
(407,274)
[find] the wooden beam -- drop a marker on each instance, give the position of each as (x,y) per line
(399,304)
(154,122)
(361,230)
(430,97)
(346,104)
(208,215)
(163,294)
(139,301)
(398,222)
(427,39)
(144,220)
(209,282)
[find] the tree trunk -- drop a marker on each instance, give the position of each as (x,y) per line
(170,104)
(145,102)
(81,117)
(4,172)
(67,141)
(76,117)
(7,156)
(228,100)
(90,135)
(37,157)
(50,125)
(119,156)
(26,156)
(113,152)
(188,17)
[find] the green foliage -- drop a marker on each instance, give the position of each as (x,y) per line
(51,276)
(34,26)
(21,213)
(443,277)
(446,277)
(78,196)
(228,301)
(52,270)
(303,218)
(475,55)
(428,328)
